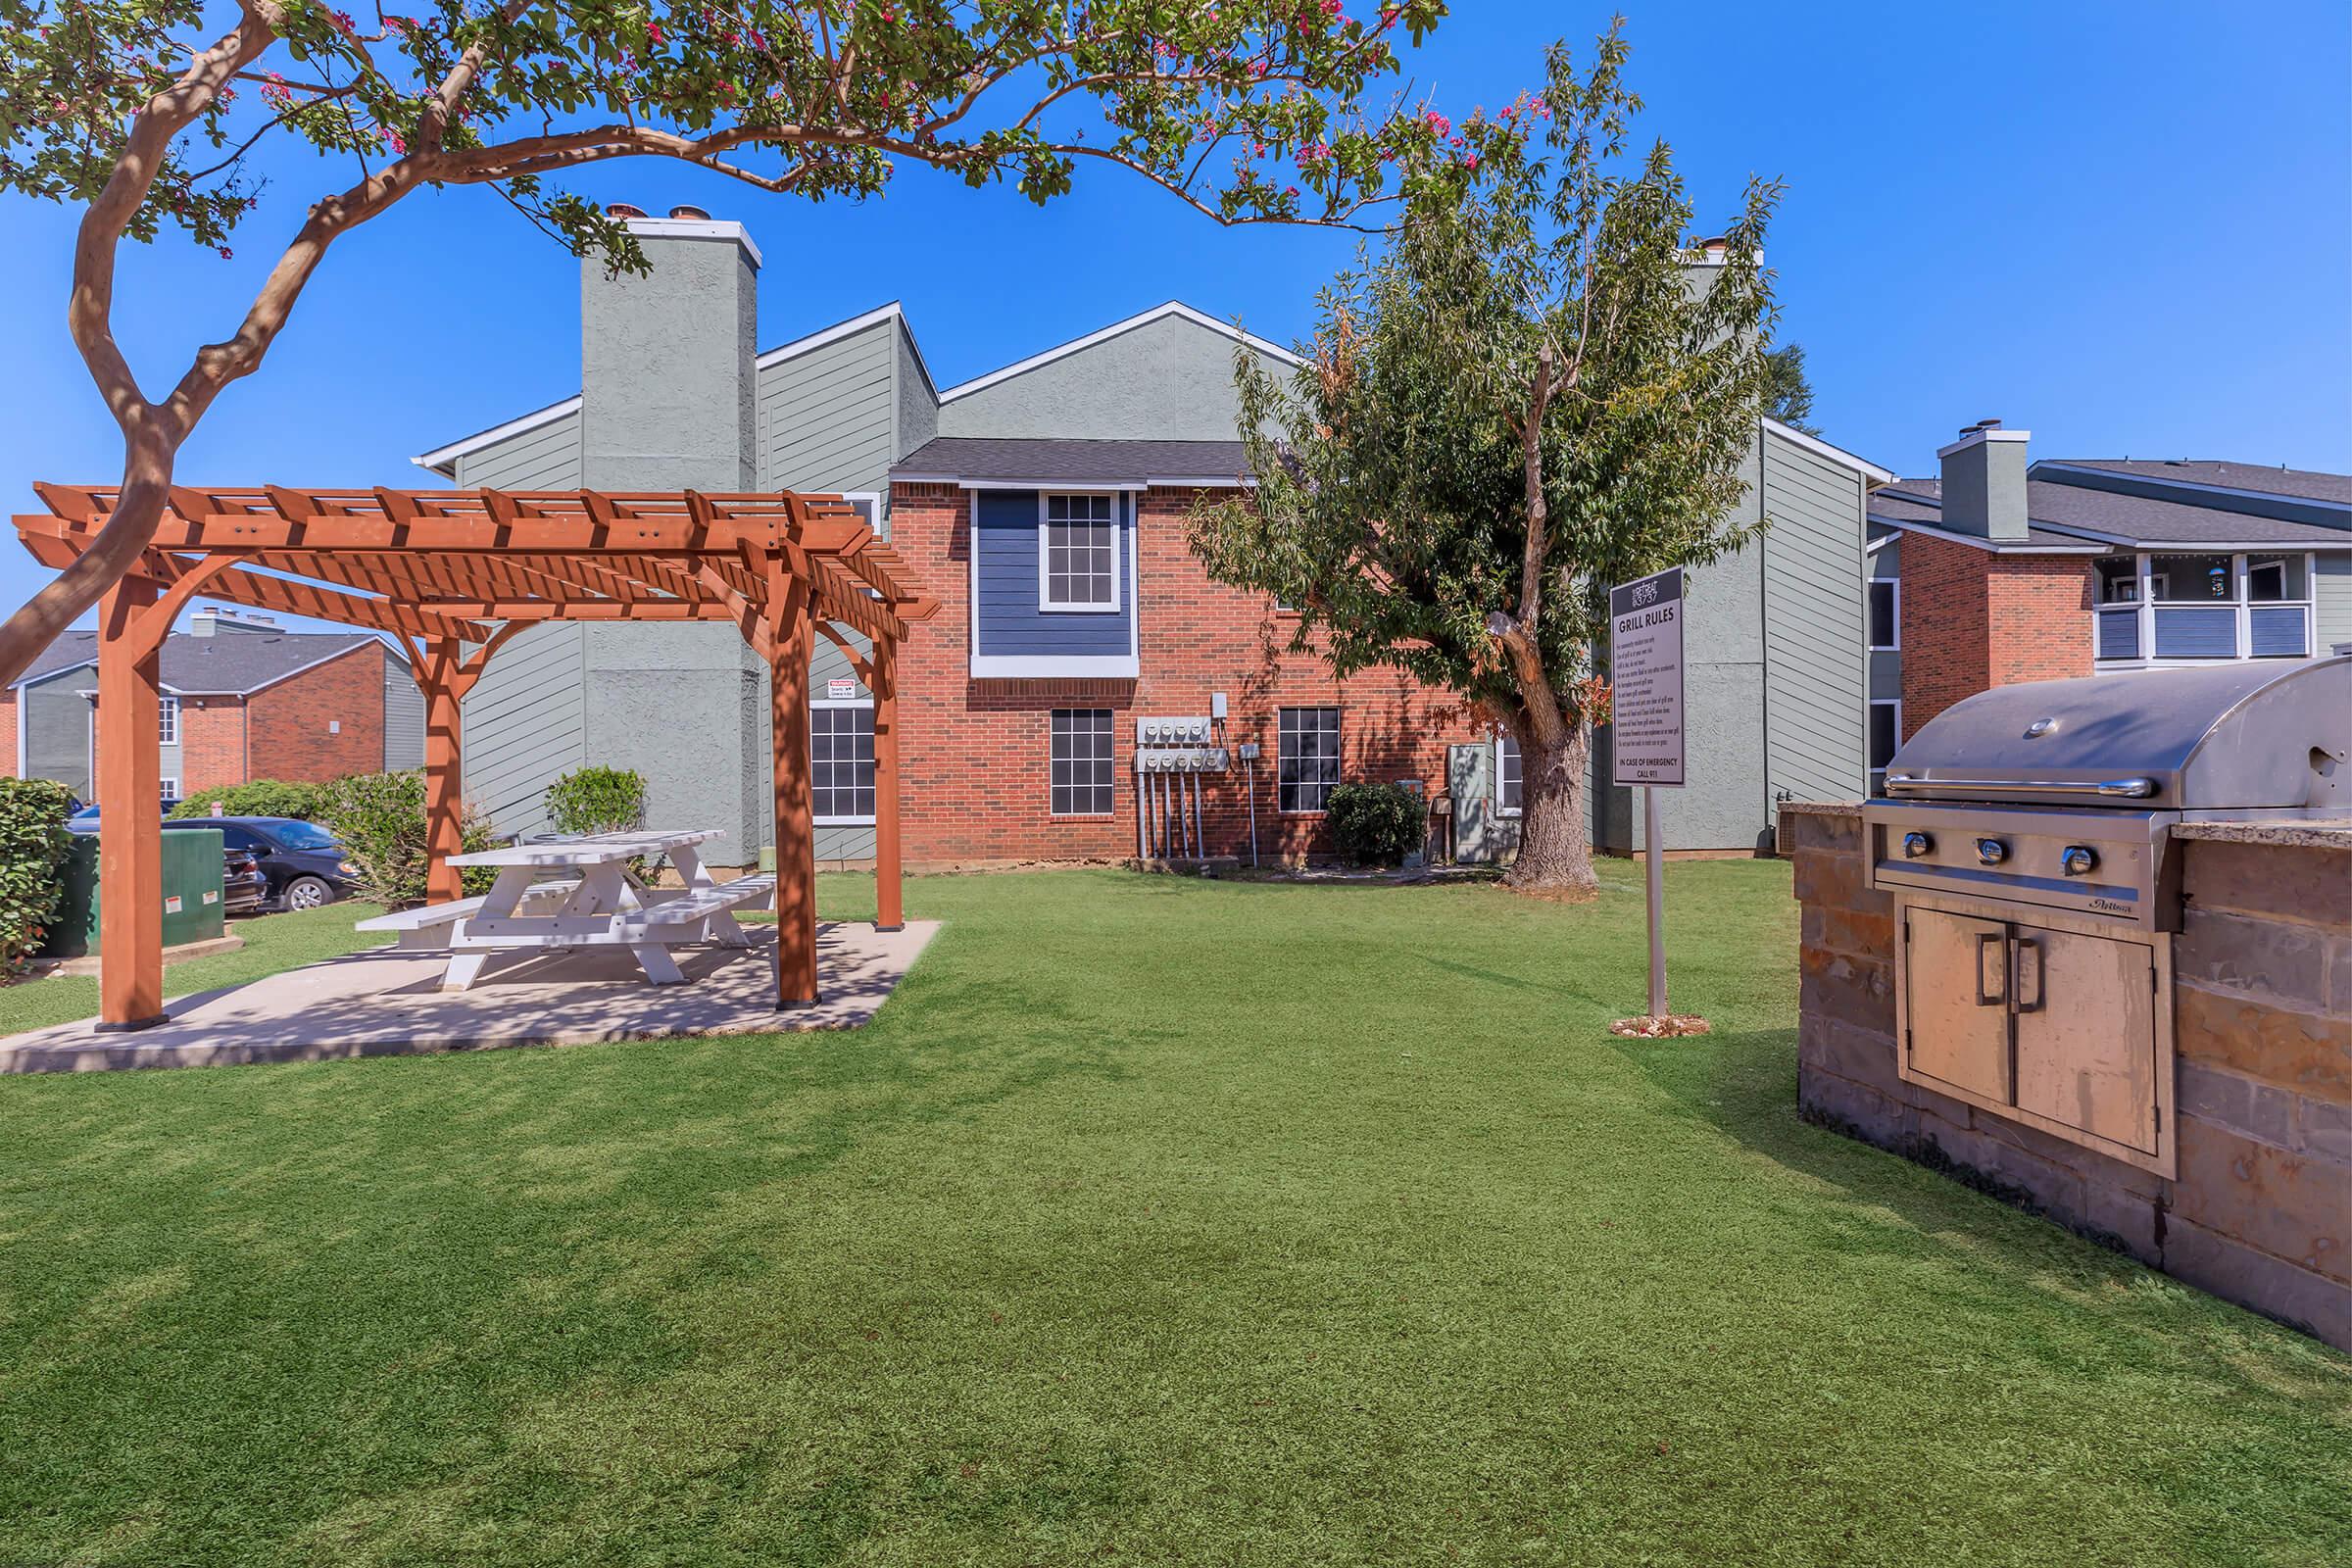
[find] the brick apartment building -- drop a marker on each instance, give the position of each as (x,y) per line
(1044,504)
(2003,571)
(243,699)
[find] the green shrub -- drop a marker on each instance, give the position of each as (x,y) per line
(597,800)
(264,797)
(379,820)
(1376,824)
(34,845)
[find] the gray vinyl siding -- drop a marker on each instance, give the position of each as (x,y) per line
(526,721)
(57,729)
(2332,601)
(1816,633)
(546,458)
(1166,380)
(826,415)
(917,398)
(403,719)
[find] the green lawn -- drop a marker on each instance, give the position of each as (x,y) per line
(1154,1221)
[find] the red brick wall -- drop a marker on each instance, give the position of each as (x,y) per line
(290,721)
(977,753)
(7,734)
(1973,620)
(211,744)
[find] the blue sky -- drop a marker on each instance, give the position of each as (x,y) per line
(2126,227)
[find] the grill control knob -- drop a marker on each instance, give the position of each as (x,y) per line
(1916,845)
(1992,852)
(2077,859)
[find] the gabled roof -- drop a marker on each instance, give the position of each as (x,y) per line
(1175,308)
(1837,455)
(1024,463)
(1917,506)
(226,663)
(444,459)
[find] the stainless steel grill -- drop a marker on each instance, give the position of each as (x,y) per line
(2026,836)
(2062,794)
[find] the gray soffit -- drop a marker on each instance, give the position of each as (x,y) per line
(227,664)
(1021,462)
(2064,514)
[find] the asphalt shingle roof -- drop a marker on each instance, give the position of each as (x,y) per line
(227,662)
(2303,483)
(2137,519)
(1919,501)
(1074,462)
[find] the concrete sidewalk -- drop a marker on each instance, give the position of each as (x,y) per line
(388,1003)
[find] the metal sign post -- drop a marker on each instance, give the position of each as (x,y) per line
(1645,728)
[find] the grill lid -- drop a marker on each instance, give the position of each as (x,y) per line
(2254,735)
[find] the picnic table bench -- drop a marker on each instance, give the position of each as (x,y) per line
(603,905)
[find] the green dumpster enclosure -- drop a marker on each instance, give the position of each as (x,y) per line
(193,907)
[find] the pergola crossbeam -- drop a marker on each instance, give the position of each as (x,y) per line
(442,571)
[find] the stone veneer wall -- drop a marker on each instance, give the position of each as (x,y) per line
(2261,1213)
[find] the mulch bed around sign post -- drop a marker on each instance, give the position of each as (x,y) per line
(1671,1026)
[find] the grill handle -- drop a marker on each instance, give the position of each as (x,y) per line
(1996,941)
(2131,789)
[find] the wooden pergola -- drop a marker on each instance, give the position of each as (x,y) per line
(448,576)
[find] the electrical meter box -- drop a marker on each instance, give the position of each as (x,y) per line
(1179,746)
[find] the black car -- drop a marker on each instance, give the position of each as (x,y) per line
(303,864)
(244,888)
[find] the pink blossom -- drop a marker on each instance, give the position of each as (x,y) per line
(653,33)
(226,253)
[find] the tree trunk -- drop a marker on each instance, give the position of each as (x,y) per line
(1556,843)
(129,528)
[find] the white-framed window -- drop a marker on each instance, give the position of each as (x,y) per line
(841,763)
(1082,780)
(1078,552)
(1885,615)
(1509,791)
(1307,756)
(168,720)
(171,791)
(1885,735)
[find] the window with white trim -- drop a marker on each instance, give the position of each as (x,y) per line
(1508,787)
(1885,613)
(171,791)
(1082,780)
(1885,735)
(166,712)
(841,763)
(1308,754)
(1078,552)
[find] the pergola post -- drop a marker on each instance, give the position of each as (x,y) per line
(130,790)
(788,641)
(445,678)
(889,910)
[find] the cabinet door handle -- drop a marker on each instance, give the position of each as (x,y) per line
(2029,949)
(1993,940)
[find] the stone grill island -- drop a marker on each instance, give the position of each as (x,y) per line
(2131,1010)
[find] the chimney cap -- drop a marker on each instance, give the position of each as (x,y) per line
(690,212)
(623,210)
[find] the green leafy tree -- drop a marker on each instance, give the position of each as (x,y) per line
(1788,396)
(379,820)
(1538,390)
(144,113)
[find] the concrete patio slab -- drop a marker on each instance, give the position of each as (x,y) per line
(388,1003)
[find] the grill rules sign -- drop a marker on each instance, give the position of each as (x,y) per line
(1646,669)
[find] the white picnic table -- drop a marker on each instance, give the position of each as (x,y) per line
(602,903)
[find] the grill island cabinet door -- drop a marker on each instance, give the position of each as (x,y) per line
(2086,1034)
(1956,1003)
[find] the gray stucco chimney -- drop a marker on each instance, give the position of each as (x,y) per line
(1985,481)
(667,372)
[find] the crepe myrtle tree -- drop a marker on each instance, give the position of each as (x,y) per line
(1528,396)
(145,114)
